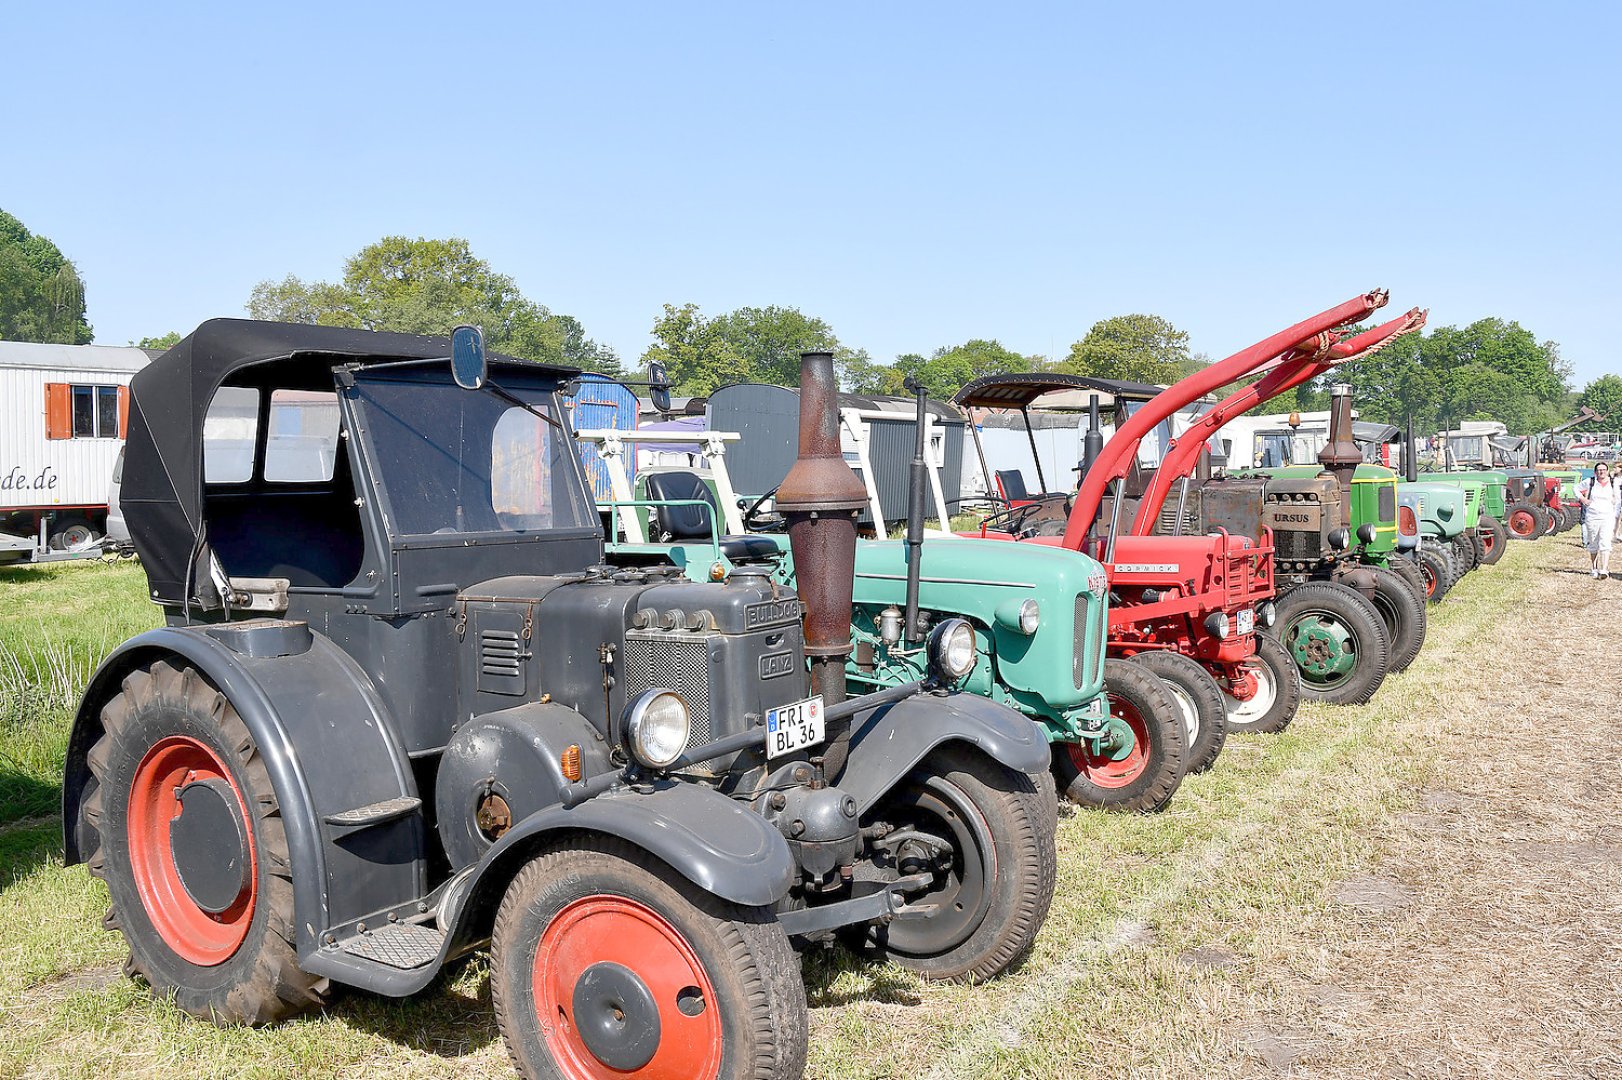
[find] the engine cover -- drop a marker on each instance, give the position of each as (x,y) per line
(1302,512)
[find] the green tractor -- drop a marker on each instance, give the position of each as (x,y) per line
(1123,732)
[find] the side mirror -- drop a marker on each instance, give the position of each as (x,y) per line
(658,386)
(468,365)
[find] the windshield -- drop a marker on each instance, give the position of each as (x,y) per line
(459,461)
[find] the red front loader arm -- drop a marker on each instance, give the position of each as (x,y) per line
(1301,364)
(1120,451)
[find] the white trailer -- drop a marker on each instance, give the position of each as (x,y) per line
(63,413)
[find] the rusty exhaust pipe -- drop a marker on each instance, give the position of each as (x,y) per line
(1340,454)
(821,497)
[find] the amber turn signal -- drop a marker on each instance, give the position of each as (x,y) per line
(571,764)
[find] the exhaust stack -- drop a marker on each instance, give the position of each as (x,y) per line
(1340,455)
(821,497)
(1410,454)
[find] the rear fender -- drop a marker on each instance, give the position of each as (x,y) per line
(887,742)
(326,742)
(717,843)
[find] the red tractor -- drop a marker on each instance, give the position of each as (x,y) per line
(1205,597)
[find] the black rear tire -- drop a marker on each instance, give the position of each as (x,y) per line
(1437,569)
(592,885)
(1403,613)
(1007,886)
(1198,698)
(1337,640)
(1139,784)
(256,981)
(1278,694)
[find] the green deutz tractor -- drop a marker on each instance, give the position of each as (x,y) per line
(1447,550)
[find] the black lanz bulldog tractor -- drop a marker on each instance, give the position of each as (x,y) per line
(402,709)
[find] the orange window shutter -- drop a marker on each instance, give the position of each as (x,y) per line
(58,411)
(123,412)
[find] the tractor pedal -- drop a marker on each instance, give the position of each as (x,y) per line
(375,814)
(398,945)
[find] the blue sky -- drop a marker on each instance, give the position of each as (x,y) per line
(914,174)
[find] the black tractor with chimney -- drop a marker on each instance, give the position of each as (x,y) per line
(403,710)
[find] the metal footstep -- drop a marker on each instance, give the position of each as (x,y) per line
(399,945)
(376,813)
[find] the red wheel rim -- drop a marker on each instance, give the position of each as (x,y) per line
(1488,541)
(614,930)
(1522,523)
(1104,771)
(196,936)
(1430,582)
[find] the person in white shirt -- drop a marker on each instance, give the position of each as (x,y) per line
(1598,498)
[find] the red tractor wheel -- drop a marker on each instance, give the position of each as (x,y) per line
(1493,536)
(181,821)
(1527,522)
(1138,765)
(609,964)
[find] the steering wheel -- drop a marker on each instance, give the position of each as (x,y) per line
(1017,520)
(756,521)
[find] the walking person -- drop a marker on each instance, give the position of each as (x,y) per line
(1598,498)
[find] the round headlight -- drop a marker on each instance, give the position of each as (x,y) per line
(656,728)
(1365,533)
(1266,613)
(1030,616)
(1339,538)
(951,649)
(1216,624)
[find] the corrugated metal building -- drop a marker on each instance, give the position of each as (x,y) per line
(63,411)
(768,419)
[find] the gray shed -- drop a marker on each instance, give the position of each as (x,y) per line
(768,419)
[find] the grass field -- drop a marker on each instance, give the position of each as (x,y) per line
(1322,903)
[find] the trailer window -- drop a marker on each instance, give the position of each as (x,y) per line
(93,412)
(230,430)
(303,442)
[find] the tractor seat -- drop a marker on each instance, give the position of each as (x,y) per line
(1012,482)
(692,523)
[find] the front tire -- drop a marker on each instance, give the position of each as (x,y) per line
(1403,613)
(1337,640)
(1437,569)
(1527,521)
(1275,690)
(993,893)
(1200,701)
(1493,537)
(1137,779)
(203,896)
(606,962)
(1464,556)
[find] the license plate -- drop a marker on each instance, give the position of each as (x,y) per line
(1247,621)
(794,727)
(1096,709)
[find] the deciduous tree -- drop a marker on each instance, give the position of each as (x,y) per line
(1137,348)
(41,293)
(427,286)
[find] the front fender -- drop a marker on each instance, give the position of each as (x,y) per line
(717,843)
(888,741)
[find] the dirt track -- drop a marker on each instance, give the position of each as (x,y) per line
(1487,941)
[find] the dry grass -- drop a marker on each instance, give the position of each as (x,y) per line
(1424,886)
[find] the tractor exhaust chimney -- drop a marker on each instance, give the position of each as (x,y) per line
(820,497)
(1410,454)
(1092,445)
(911,631)
(1340,455)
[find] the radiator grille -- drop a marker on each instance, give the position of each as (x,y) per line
(1387,501)
(673,661)
(1089,629)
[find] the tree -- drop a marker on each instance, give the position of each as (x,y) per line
(1604,396)
(41,293)
(162,341)
(427,286)
(747,345)
(1137,348)
(948,369)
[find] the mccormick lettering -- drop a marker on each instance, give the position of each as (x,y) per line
(1148,568)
